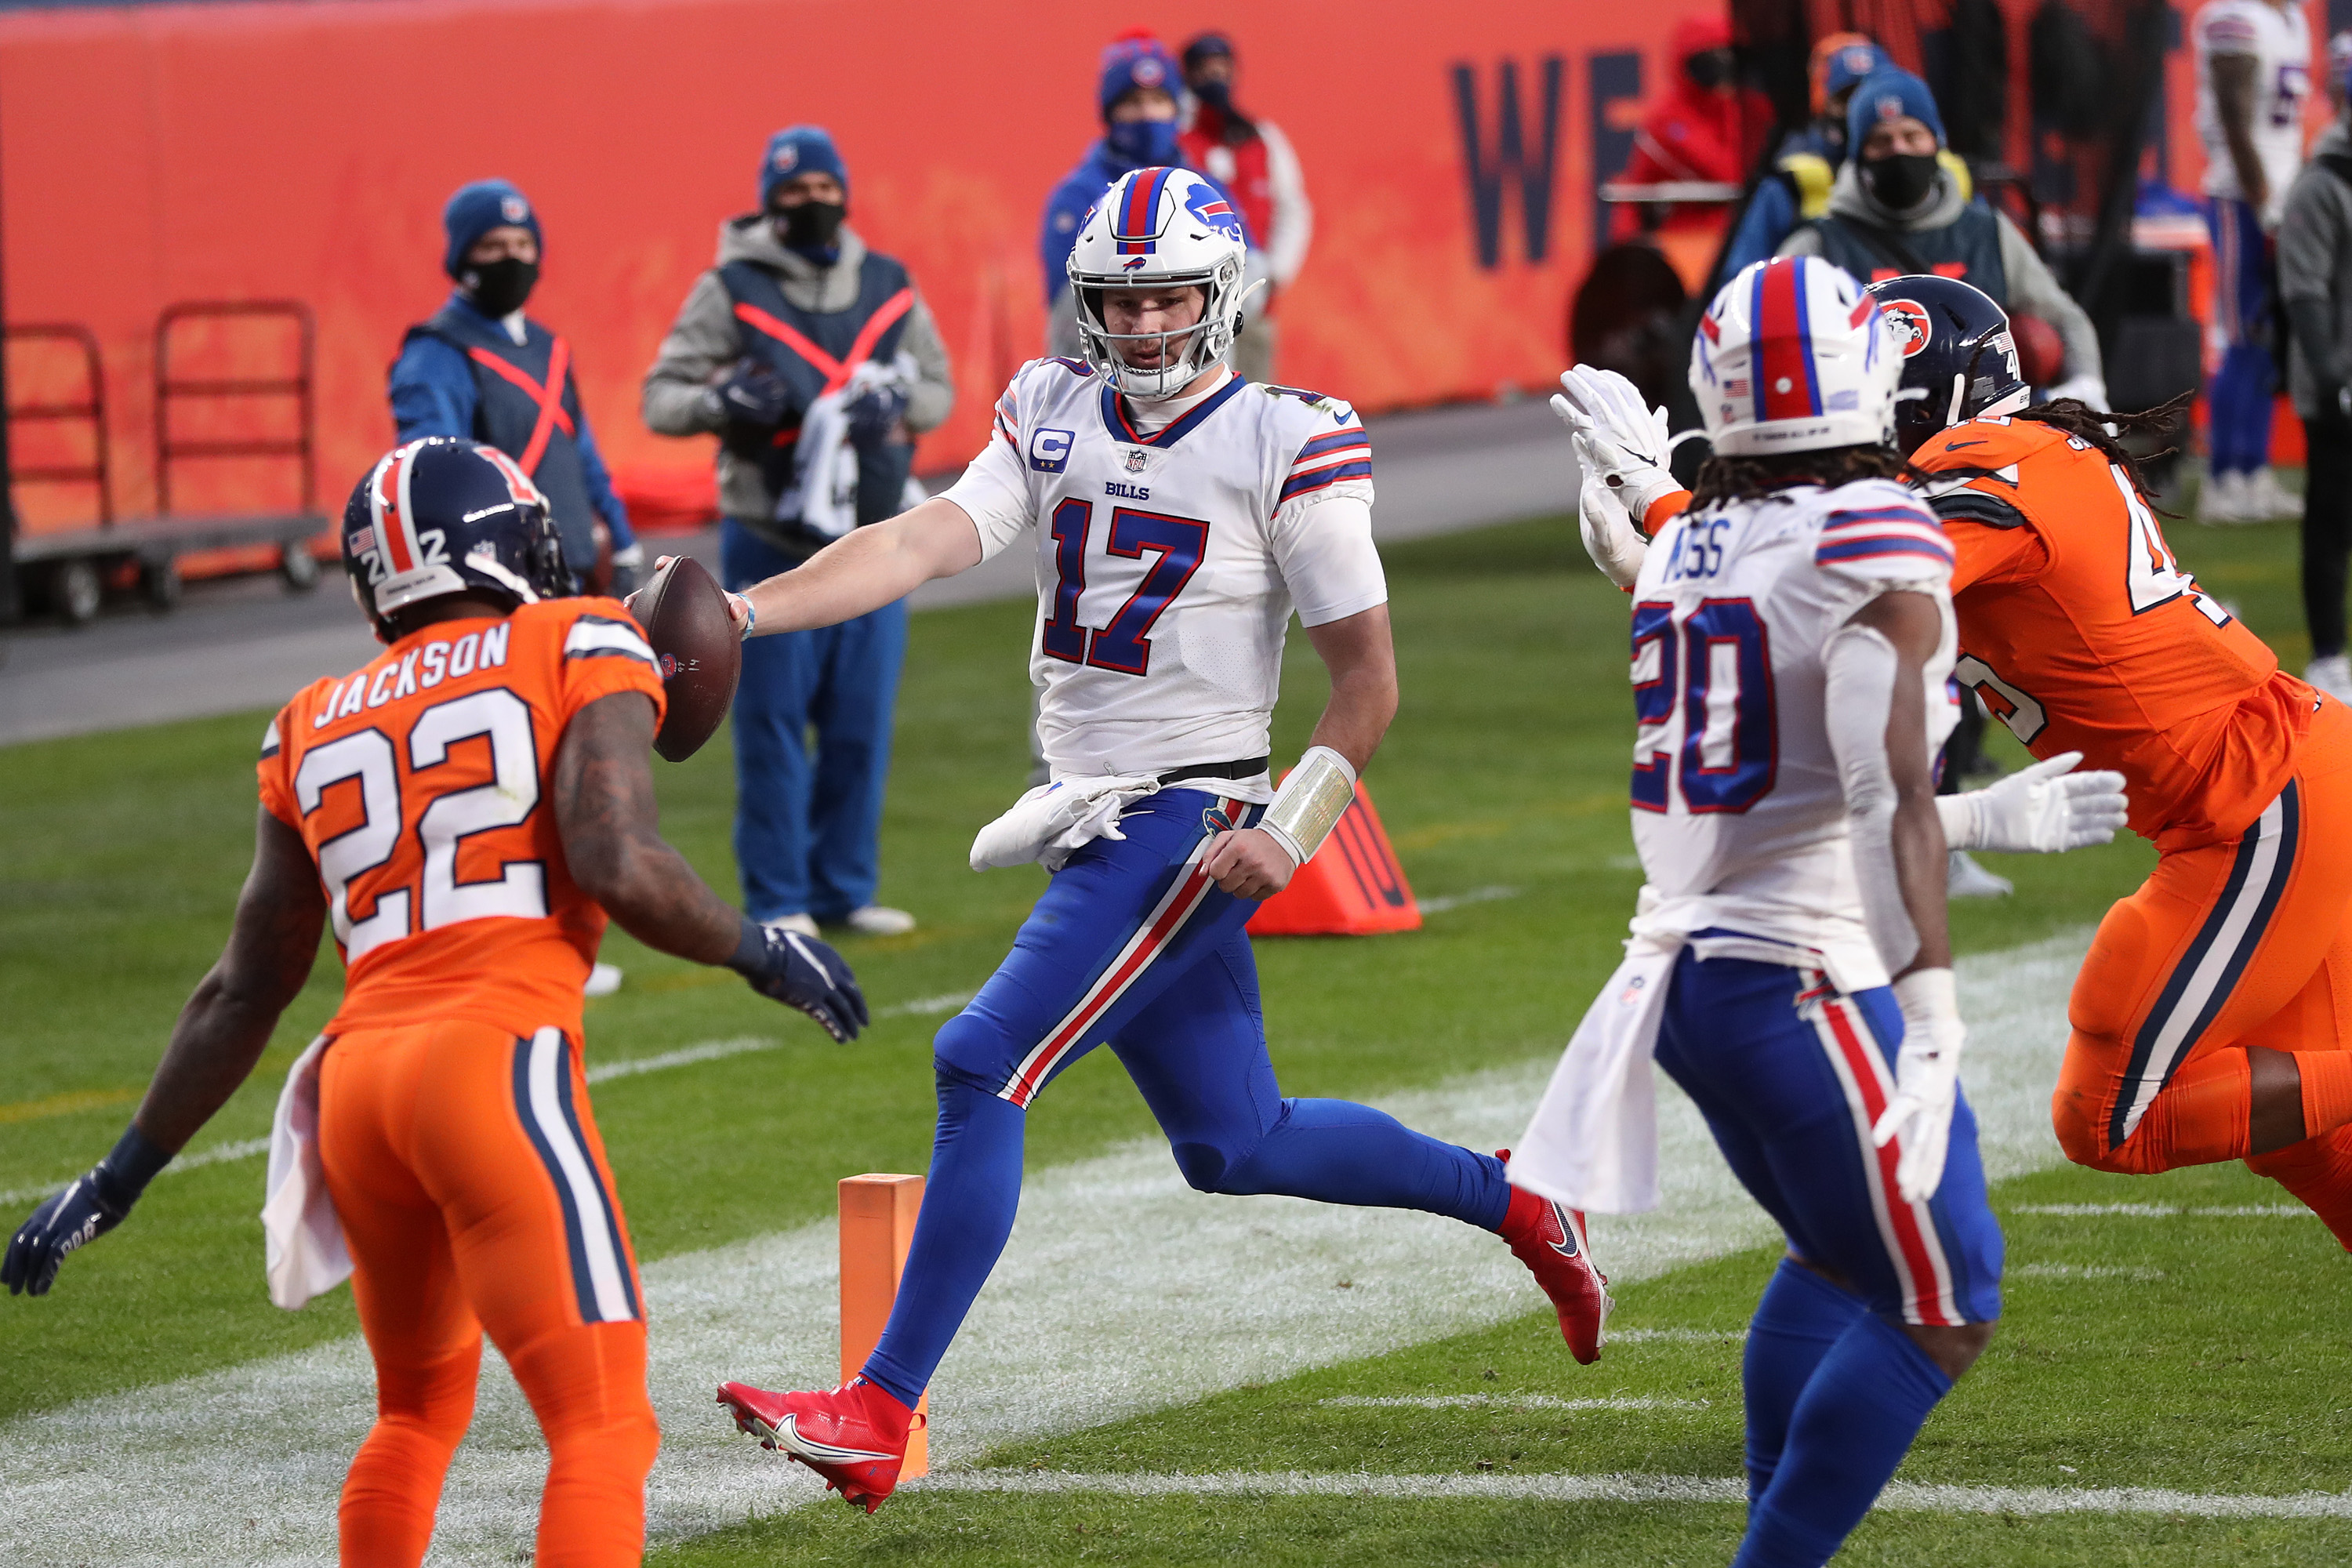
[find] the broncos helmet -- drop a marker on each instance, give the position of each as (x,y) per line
(447,516)
(1959,359)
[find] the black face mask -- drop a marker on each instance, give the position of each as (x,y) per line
(810,226)
(1709,70)
(1216,93)
(500,287)
(1900,181)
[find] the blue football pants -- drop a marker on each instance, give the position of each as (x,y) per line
(2240,404)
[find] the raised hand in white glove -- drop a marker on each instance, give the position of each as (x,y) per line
(1926,1082)
(1623,440)
(1615,546)
(2040,810)
(2084,388)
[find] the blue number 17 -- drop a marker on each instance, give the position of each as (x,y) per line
(1124,646)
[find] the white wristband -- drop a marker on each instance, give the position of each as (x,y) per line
(1309,804)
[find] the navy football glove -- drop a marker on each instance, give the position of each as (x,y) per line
(753,396)
(92,1206)
(872,417)
(803,972)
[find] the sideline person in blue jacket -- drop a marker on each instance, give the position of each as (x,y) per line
(481,369)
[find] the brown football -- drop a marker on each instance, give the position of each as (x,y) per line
(684,611)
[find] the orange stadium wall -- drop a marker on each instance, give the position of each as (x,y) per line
(247,150)
(163,153)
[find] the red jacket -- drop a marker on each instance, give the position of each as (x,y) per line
(1694,134)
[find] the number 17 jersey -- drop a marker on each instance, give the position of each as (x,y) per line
(1168,558)
(1739,810)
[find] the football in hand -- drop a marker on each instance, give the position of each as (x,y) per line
(684,611)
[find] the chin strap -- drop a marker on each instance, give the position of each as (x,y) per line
(1307,806)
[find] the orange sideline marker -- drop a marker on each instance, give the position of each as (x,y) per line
(1354,887)
(877,1224)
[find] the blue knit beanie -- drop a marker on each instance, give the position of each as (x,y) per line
(800,149)
(1132,60)
(1853,63)
(1890,94)
(475,210)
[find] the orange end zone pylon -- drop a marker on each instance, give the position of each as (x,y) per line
(1354,887)
(877,1224)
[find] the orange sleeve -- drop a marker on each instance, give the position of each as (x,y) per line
(604,651)
(277,786)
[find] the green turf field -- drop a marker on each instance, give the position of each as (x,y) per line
(2192,1353)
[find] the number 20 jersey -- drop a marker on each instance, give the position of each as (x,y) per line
(423,784)
(1739,812)
(1168,563)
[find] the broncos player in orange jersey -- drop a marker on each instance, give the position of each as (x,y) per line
(2212,1017)
(465,810)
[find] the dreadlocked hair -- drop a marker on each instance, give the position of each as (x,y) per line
(2107,432)
(1724,479)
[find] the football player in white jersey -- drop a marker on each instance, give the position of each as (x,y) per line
(1177,516)
(1792,633)
(2253,75)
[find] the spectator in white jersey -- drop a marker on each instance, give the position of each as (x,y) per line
(1252,158)
(2253,72)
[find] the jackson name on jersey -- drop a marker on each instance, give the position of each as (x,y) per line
(1168,559)
(1739,812)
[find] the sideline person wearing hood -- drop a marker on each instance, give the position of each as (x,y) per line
(1708,130)
(1139,95)
(1898,208)
(815,362)
(1253,160)
(480,370)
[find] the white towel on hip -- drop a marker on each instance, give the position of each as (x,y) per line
(1594,1141)
(302,1238)
(1053,821)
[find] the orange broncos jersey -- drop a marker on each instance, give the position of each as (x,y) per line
(2082,633)
(420,785)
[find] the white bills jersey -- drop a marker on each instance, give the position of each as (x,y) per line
(1170,554)
(1739,812)
(2279,39)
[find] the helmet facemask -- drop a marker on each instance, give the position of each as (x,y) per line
(1158,229)
(1184,351)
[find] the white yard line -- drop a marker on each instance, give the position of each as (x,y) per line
(1122,1292)
(2165,1211)
(1901,1496)
(2083,1272)
(1439,905)
(1504,1402)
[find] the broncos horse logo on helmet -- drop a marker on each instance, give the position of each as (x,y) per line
(1160,229)
(1960,363)
(447,516)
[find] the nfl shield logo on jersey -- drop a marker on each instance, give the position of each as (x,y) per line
(1135,459)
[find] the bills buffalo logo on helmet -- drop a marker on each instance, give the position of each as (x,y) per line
(1215,213)
(514,209)
(1910,323)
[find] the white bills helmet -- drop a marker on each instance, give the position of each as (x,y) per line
(1153,228)
(1793,356)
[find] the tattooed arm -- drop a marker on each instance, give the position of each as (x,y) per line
(225,1024)
(612,840)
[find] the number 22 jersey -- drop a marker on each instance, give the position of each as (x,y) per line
(1739,810)
(423,786)
(1170,556)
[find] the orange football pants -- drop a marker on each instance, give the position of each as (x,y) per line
(2224,947)
(475,1196)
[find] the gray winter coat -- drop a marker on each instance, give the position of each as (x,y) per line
(680,395)
(2033,290)
(2314,258)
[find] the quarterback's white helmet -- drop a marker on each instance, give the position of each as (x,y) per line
(1793,356)
(1159,228)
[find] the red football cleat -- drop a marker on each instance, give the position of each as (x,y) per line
(854,1437)
(1548,1237)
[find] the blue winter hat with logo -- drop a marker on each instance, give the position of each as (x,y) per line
(1891,94)
(1853,63)
(475,210)
(800,149)
(1132,60)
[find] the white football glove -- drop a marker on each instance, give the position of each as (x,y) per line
(1625,442)
(1615,546)
(1052,822)
(2041,810)
(1926,1082)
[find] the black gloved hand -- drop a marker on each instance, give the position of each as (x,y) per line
(803,972)
(872,417)
(90,1205)
(753,396)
